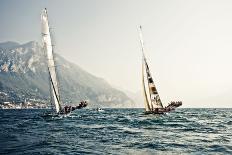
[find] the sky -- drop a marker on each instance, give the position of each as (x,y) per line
(188,42)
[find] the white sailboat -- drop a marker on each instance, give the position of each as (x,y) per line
(47,45)
(54,85)
(152,101)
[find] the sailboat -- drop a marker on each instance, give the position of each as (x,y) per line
(53,81)
(152,101)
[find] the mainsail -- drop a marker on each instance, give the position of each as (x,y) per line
(152,99)
(48,48)
(146,102)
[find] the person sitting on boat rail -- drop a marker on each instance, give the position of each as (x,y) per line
(66,109)
(82,105)
(156,110)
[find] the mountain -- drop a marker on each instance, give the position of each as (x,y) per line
(8,45)
(137,97)
(23,76)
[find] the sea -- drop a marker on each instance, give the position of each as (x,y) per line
(116,131)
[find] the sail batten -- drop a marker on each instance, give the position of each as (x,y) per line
(48,47)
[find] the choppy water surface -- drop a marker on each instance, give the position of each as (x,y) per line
(117,131)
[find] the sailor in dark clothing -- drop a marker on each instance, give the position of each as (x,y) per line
(68,109)
(73,108)
(65,109)
(85,104)
(156,110)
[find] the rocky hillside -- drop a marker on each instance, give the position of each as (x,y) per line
(23,75)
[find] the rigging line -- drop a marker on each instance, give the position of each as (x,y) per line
(50,98)
(57,74)
(50,90)
(57,97)
(57,83)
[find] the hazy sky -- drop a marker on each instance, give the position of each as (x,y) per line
(189,43)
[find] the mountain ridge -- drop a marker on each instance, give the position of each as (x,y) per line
(23,74)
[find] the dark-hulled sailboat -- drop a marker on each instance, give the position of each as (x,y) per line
(152,101)
(54,84)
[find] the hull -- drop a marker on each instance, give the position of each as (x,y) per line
(169,108)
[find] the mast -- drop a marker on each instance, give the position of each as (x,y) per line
(154,96)
(47,44)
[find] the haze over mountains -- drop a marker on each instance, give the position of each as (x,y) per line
(23,74)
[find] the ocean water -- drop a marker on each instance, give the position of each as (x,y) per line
(116,131)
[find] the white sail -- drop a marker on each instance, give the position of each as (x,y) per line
(146,101)
(47,45)
(145,93)
(154,96)
(154,99)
